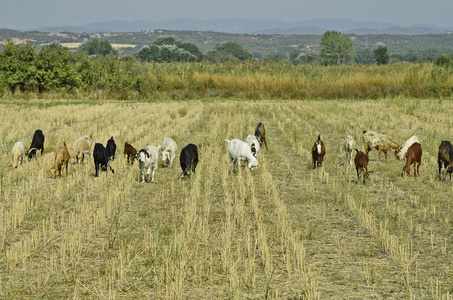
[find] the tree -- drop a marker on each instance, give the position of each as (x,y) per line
(275,57)
(336,49)
(97,48)
(18,67)
(168,49)
(228,51)
(364,56)
(56,68)
(381,55)
(443,61)
(304,57)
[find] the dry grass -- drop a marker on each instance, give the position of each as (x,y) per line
(285,231)
(115,46)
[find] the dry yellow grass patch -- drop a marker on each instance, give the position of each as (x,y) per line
(115,46)
(284,231)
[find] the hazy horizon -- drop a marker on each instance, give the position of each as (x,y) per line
(30,14)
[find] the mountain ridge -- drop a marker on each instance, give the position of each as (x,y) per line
(252,26)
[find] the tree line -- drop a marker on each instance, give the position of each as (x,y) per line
(97,68)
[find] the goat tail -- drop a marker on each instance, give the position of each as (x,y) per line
(357,150)
(228,141)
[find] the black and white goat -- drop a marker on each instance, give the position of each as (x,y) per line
(37,143)
(147,159)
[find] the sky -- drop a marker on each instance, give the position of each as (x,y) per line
(32,14)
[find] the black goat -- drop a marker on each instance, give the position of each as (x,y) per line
(101,159)
(111,148)
(37,143)
(188,159)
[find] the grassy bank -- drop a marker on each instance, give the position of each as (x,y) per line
(109,78)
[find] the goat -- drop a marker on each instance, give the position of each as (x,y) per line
(260,134)
(361,165)
(239,150)
(168,148)
(254,145)
(445,157)
(37,143)
(407,144)
(318,151)
(17,154)
(130,152)
(147,159)
(414,156)
(111,148)
(61,160)
(81,146)
(379,142)
(348,146)
(101,159)
(188,159)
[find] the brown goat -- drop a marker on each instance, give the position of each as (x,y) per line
(130,152)
(414,156)
(361,165)
(61,159)
(260,134)
(445,157)
(318,151)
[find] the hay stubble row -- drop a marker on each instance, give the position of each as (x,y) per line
(285,231)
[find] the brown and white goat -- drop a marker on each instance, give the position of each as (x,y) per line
(361,165)
(61,160)
(380,143)
(318,151)
(260,134)
(414,156)
(445,157)
(130,152)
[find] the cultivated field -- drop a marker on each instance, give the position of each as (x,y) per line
(285,231)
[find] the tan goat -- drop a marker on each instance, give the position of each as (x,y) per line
(61,159)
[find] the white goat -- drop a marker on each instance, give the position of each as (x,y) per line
(239,150)
(348,146)
(407,144)
(147,159)
(80,147)
(254,145)
(17,154)
(168,148)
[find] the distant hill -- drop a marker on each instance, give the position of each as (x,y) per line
(260,45)
(248,26)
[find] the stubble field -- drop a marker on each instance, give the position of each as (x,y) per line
(285,231)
